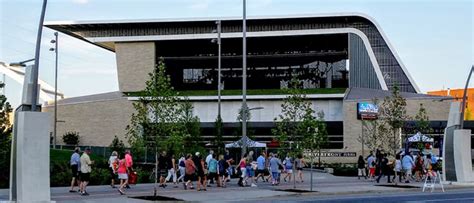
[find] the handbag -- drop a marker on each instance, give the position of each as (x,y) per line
(132,178)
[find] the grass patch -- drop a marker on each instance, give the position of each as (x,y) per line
(249,92)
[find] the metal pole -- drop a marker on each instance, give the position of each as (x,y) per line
(463,108)
(219,69)
(244,80)
(35,70)
(55,91)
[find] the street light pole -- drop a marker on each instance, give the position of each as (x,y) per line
(35,69)
(219,68)
(463,107)
(244,79)
(55,49)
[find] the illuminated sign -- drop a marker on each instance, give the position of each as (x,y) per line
(367,111)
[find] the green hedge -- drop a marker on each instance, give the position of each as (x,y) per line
(61,172)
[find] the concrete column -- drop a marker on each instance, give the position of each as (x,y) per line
(462,155)
(32,157)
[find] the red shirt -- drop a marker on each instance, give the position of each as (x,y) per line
(190,167)
(122,167)
(128,160)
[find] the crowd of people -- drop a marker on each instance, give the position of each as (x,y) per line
(193,171)
(405,167)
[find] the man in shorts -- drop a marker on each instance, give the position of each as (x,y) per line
(163,168)
(75,163)
(407,166)
(86,170)
(261,167)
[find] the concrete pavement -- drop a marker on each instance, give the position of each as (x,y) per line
(324,185)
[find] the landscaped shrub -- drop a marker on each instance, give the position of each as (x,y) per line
(71,138)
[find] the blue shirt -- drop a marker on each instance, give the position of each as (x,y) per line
(407,162)
(75,159)
(212,166)
(274,163)
(261,163)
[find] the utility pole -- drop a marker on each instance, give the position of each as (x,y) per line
(244,80)
(55,49)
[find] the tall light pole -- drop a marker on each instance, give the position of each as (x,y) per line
(219,87)
(35,70)
(55,49)
(244,79)
(463,107)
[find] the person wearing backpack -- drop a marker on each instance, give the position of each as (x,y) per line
(182,168)
(288,163)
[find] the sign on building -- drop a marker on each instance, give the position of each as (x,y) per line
(367,111)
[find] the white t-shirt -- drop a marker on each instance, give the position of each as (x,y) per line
(112,160)
(208,158)
(398,166)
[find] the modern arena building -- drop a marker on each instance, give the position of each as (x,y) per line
(342,59)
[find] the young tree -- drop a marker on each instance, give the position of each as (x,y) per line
(315,136)
(5,138)
(422,124)
(117,145)
(162,118)
(394,113)
(291,124)
(374,133)
(218,132)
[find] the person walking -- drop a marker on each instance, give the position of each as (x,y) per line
(361,168)
(171,170)
(300,163)
(261,167)
(182,168)
(275,164)
(371,163)
(189,172)
(212,169)
(407,166)
(163,168)
(288,162)
(384,168)
(243,170)
(113,159)
(86,170)
(129,163)
(75,164)
(208,158)
(122,172)
(223,166)
(198,162)
(419,168)
(398,168)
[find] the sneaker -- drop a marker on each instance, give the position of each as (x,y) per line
(185,186)
(72,191)
(127,186)
(85,194)
(253,185)
(121,192)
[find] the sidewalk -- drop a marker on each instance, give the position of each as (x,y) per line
(323,184)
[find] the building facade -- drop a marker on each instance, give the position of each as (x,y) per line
(340,59)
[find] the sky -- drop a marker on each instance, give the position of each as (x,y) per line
(433,38)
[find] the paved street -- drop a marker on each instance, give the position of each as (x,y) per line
(328,189)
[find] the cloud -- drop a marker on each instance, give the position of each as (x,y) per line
(80,1)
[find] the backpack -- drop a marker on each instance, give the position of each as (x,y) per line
(182,164)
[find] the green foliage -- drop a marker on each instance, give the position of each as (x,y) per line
(297,124)
(394,113)
(218,132)
(117,145)
(374,133)
(422,125)
(163,119)
(5,139)
(71,138)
